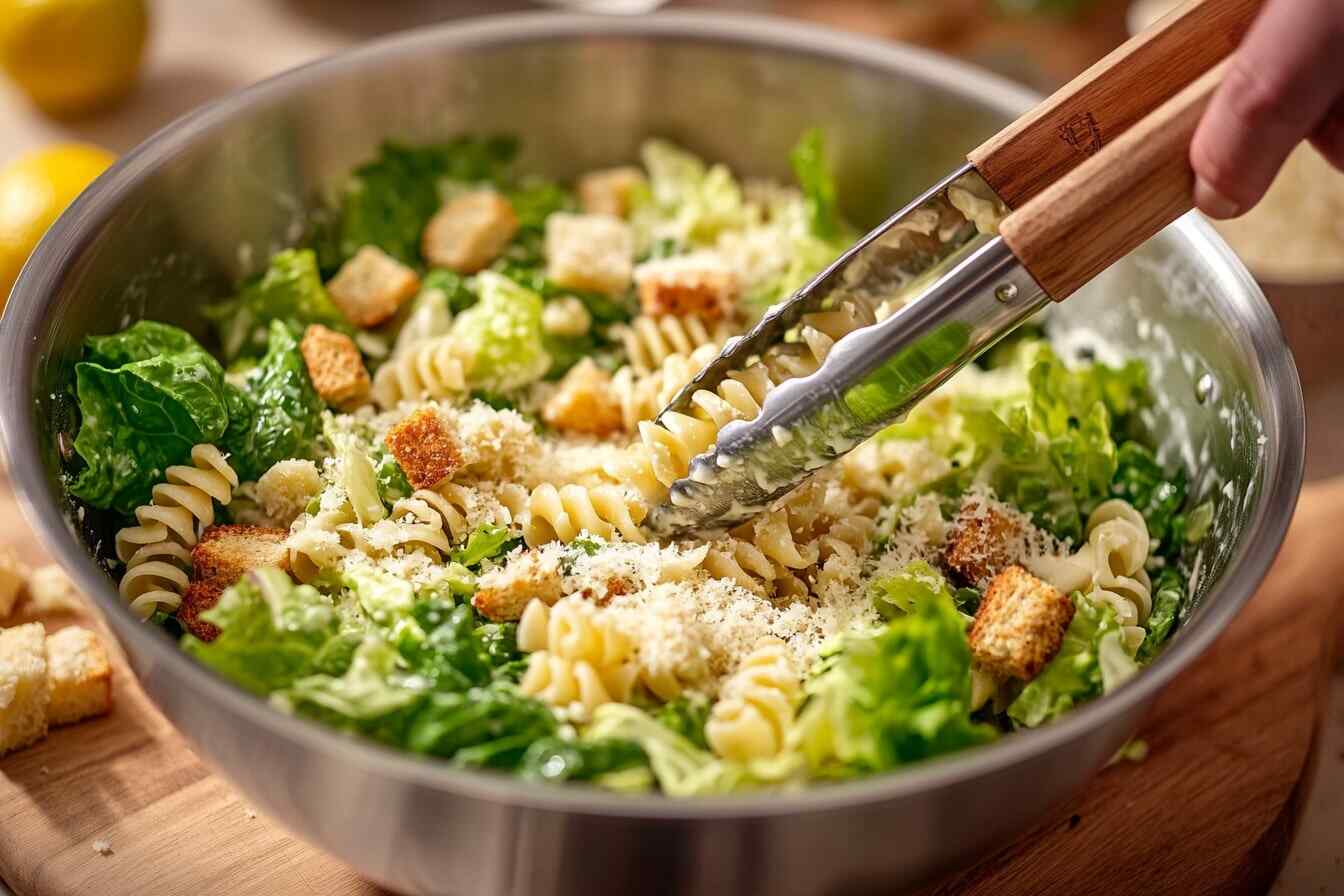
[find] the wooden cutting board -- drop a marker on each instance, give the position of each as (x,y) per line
(1211,810)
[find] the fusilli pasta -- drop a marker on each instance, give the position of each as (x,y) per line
(649,340)
(643,396)
(157,551)
(562,514)
(578,661)
(756,706)
(430,368)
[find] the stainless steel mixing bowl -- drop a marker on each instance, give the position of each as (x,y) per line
(162,232)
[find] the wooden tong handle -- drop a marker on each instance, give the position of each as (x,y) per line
(1109,98)
(1116,200)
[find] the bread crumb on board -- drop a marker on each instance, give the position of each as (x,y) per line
(102,846)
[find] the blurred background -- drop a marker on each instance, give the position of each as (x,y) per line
(86,80)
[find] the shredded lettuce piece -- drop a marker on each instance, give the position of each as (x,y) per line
(1140,480)
(897,695)
(290,290)
(686,715)
(686,201)
(556,760)
(272,632)
(387,202)
(1168,604)
(900,593)
(811,167)
(277,414)
(1091,661)
(486,542)
(503,330)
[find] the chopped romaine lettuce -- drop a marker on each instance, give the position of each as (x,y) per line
(290,290)
(1168,603)
(272,632)
(812,169)
(1091,661)
(556,759)
(392,482)
(685,201)
(146,396)
(686,715)
(1140,480)
(490,726)
(277,414)
(486,542)
(503,331)
(893,696)
(900,593)
(388,201)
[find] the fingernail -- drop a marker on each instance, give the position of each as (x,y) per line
(1213,203)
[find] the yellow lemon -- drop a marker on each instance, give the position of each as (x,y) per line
(72,56)
(34,190)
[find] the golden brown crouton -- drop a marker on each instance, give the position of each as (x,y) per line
(981,543)
(335,367)
(589,252)
(1020,625)
(502,593)
(25,689)
(13,573)
(80,674)
(607,192)
(426,447)
(371,286)
(218,561)
(469,231)
(684,287)
(584,402)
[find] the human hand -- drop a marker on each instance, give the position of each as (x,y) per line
(1285,85)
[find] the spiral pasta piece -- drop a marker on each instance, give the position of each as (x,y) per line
(578,660)
(642,396)
(649,340)
(1109,567)
(756,706)
(461,508)
(664,450)
(157,551)
(320,542)
(432,368)
(562,514)
(763,557)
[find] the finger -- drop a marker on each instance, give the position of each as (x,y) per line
(1279,87)
(1329,136)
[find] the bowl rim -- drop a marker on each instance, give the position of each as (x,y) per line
(65,242)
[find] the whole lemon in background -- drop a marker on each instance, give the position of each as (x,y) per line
(34,190)
(72,56)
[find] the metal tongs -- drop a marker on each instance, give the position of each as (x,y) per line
(1080,181)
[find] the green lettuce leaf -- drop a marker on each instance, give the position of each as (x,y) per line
(555,759)
(486,542)
(1168,604)
(686,715)
(896,695)
(277,414)
(504,331)
(387,202)
(272,632)
(146,396)
(490,727)
(900,593)
(685,202)
(1090,662)
(1140,480)
(812,169)
(290,290)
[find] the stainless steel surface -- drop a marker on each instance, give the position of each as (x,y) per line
(868,379)
(160,233)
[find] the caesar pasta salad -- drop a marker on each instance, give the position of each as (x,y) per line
(397,485)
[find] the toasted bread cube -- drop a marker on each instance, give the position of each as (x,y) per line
(590,252)
(608,192)
(503,593)
(427,448)
(285,489)
(687,286)
(469,232)
(218,561)
(51,591)
(1020,625)
(981,543)
(584,402)
(25,690)
(13,575)
(80,675)
(335,367)
(371,286)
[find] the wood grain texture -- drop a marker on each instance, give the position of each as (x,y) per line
(1116,200)
(1102,103)
(1212,809)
